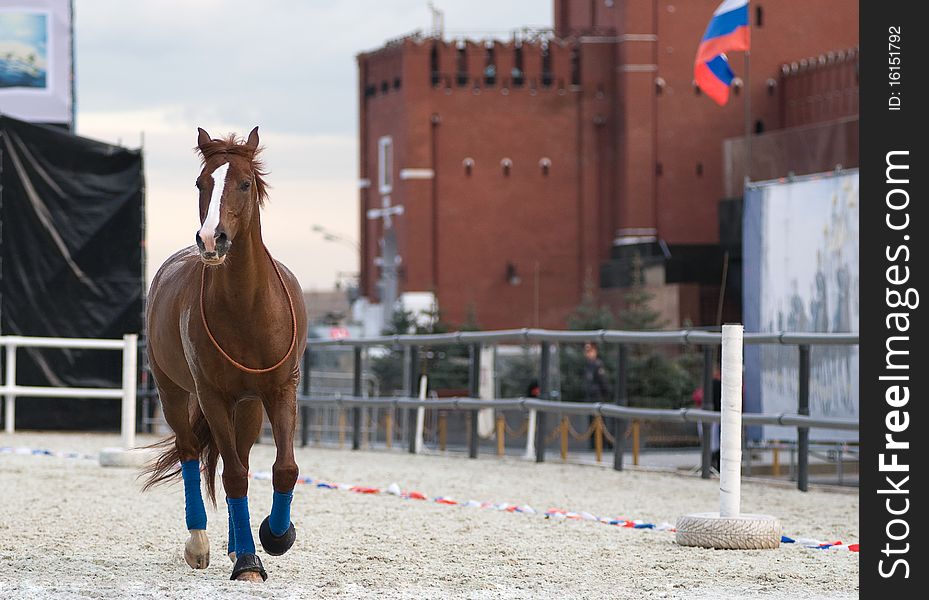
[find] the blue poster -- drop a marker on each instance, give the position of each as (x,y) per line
(23,49)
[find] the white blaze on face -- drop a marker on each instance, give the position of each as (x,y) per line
(211,222)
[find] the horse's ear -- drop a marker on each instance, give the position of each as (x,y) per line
(253,139)
(203,138)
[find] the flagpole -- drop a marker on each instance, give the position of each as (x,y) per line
(748,114)
(748,117)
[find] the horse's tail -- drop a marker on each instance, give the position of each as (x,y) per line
(167,465)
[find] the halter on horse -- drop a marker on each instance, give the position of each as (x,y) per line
(226,328)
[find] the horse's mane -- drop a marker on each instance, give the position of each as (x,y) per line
(236,146)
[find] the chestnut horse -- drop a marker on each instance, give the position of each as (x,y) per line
(226,328)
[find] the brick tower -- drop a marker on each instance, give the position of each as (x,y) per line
(506,174)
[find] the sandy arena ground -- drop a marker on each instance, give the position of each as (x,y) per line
(71,529)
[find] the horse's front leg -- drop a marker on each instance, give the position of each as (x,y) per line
(218,413)
(277,532)
(247,419)
(176,405)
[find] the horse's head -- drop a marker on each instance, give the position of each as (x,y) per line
(231,188)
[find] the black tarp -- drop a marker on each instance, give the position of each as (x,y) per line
(72,248)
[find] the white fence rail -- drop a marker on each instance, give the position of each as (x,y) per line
(127,393)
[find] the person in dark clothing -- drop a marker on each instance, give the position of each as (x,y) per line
(596,382)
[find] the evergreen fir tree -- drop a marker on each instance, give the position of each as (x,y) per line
(639,314)
(655,379)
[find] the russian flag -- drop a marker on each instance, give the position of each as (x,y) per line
(728,30)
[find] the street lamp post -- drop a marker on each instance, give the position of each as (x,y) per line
(331,236)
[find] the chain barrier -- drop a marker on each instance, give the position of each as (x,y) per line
(583,437)
(608,436)
(554,433)
(523,429)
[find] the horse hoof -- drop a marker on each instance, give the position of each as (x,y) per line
(274,545)
(248,567)
(197,549)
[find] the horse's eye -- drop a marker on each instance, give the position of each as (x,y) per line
(245,185)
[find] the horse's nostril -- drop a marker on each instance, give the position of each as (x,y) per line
(222,243)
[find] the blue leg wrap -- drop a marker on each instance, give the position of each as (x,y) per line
(230,547)
(279,520)
(244,543)
(193,501)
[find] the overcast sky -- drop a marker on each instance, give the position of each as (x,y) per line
(166,67)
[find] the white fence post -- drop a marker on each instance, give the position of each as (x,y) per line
(530,436)
(730,528)
(420,416)
(130,352)
(730,444)
(10,383)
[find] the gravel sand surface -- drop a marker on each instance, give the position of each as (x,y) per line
(71,529)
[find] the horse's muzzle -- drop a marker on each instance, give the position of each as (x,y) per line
(217,253)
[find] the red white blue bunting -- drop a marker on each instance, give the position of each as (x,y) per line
(395,490)
(552,513)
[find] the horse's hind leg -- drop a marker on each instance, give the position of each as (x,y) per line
(248,420)
(277,532)
(177,404)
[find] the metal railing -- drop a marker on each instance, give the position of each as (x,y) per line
(127,393)
(619,410)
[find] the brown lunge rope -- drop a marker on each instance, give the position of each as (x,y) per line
(293,316)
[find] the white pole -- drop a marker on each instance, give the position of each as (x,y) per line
(530,436)
(10,384)
(420,417)
(130,350)
(730,435)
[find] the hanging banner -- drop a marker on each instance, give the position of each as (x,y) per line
(36,61)
(71,264)
(801,242)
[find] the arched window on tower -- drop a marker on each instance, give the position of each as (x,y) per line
(547,75)
(737,86)
(434,73)
(507,165)
(517,74)
(545,164)
(575,66)
(461,67)
(490,65)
